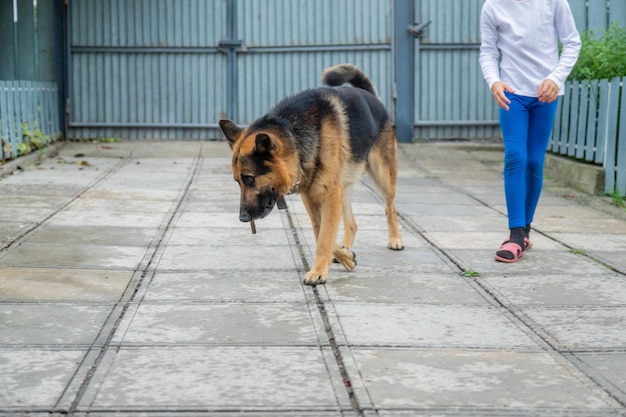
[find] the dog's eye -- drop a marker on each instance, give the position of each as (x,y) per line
(248,180)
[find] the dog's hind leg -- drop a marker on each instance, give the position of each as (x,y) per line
(349,224)
(383,167)
(342,253)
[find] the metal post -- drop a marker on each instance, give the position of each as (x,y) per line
(16,49)
(36,39)
(68,71)
(229,47)
(404,69)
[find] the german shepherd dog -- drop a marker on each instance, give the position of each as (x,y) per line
(318,143)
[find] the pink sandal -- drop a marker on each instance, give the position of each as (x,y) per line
(528,245)
(513,248)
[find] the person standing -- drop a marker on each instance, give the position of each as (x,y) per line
(520,60)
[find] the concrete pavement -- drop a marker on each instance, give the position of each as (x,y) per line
(128,286)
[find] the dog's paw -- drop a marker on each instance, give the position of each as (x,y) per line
(395,244)
(345,257)
(314,278)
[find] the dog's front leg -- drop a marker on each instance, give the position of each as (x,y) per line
(330,215)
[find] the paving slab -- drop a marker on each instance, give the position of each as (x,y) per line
(103,191)
(533,262)
(592,242)
(123,206)
(25,215)
(427,259)
(243,323)
(216,236)
(610,365)
(216,378)
(12,230)
(51,323)
(53,233)
(402,285)
(107,217)
(226,219)
(74,256)
(55,284)
(377,238)
(17,186)
(582,225)
(470,380)
(451,326)
(35,378)
(226,285)
(559,289)
(584,328)
(484,240)
(460,223)
(227,256)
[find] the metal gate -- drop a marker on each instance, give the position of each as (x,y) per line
(145,69)
(451,97)
(170,69)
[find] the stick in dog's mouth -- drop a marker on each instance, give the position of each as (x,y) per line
(253,227)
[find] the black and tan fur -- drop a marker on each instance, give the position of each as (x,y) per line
(318,143)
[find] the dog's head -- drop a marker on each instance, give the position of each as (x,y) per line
(260,167)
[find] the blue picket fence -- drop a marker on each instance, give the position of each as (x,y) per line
(28,116)
(591,126)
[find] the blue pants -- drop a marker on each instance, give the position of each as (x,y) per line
(526,129)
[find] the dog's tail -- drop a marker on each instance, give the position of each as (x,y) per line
(348,73)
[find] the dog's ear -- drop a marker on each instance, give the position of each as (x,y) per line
(263,144)
(231,131)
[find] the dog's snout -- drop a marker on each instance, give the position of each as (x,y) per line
(244,216)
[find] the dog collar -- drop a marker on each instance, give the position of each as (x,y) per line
(281,200)
(296,184)
(293,188)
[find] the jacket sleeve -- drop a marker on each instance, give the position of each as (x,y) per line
(489,53)
(570,38)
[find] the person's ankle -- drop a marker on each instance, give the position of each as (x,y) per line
(517,236)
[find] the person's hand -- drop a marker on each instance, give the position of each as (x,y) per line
(548,91)
(498,88)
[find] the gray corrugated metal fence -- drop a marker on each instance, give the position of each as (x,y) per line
(155,68)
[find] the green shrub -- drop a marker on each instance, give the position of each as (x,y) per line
(601,57)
